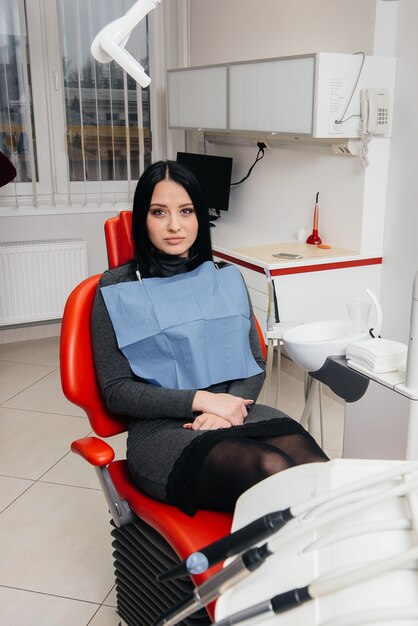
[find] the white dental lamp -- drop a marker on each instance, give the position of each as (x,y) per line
(109,44)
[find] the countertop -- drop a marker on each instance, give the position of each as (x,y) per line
(262,257)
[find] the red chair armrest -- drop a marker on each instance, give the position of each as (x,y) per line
(94,451)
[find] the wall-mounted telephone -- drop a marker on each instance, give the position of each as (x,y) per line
(374,110)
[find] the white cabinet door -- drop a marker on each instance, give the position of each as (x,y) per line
(272,96)
(197,98)
(323,295)
(376,426)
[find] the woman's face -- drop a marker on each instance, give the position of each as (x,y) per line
(171,221)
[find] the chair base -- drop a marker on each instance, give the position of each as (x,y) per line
(141,554)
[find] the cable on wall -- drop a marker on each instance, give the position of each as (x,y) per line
(342,119)
(260,154)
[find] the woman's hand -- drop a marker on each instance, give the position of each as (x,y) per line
(207,421)
(230,408)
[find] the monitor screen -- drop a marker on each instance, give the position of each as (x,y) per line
(214,176)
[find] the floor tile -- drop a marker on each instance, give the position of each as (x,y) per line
(106,616)
(10,489)
(11,335)
(333,422)
(73,470)
(288,385)
(56,540)
(32,442)
(15,377)
(111,598)
(292,402)
(25,608)
(39,351)
(42,331)
(28,333)
(46,396)
(291,397)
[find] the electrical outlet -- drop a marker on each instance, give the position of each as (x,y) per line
(257,141)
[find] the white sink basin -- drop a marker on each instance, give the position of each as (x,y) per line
(309,345)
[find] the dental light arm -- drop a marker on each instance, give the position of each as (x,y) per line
(109,44)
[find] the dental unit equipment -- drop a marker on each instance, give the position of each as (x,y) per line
(378,312)
(319,588)
(322,577)
(270,301)
(307,517)
(269,524)
(109,44)
(405,384)
(411,381)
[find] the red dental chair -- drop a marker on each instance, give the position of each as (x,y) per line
(149,537)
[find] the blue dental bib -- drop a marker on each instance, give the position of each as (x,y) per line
(187,331)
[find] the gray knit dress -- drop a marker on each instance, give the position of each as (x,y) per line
(163,457)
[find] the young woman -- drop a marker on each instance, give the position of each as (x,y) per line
(177,351)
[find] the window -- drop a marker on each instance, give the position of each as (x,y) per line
(16,109)
(77,131)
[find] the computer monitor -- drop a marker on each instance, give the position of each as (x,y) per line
(214,176)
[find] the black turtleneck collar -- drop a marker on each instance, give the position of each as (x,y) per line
(166,265)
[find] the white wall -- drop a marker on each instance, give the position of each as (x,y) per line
(87,226)
(236,30)
(401,227)
(278,198)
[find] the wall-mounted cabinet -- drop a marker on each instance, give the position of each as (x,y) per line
(272,95)
(300,95)
(198,98)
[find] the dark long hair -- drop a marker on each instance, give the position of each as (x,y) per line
(145,252)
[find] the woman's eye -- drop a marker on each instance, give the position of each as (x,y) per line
(188,211)
(157,212)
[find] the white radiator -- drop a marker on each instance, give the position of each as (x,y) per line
(36,278)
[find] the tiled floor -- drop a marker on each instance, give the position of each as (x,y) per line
(55,545)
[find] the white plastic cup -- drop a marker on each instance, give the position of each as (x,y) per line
(358,317)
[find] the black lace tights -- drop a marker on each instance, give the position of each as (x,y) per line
(234,465)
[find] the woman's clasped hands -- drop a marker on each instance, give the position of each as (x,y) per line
(218,410)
